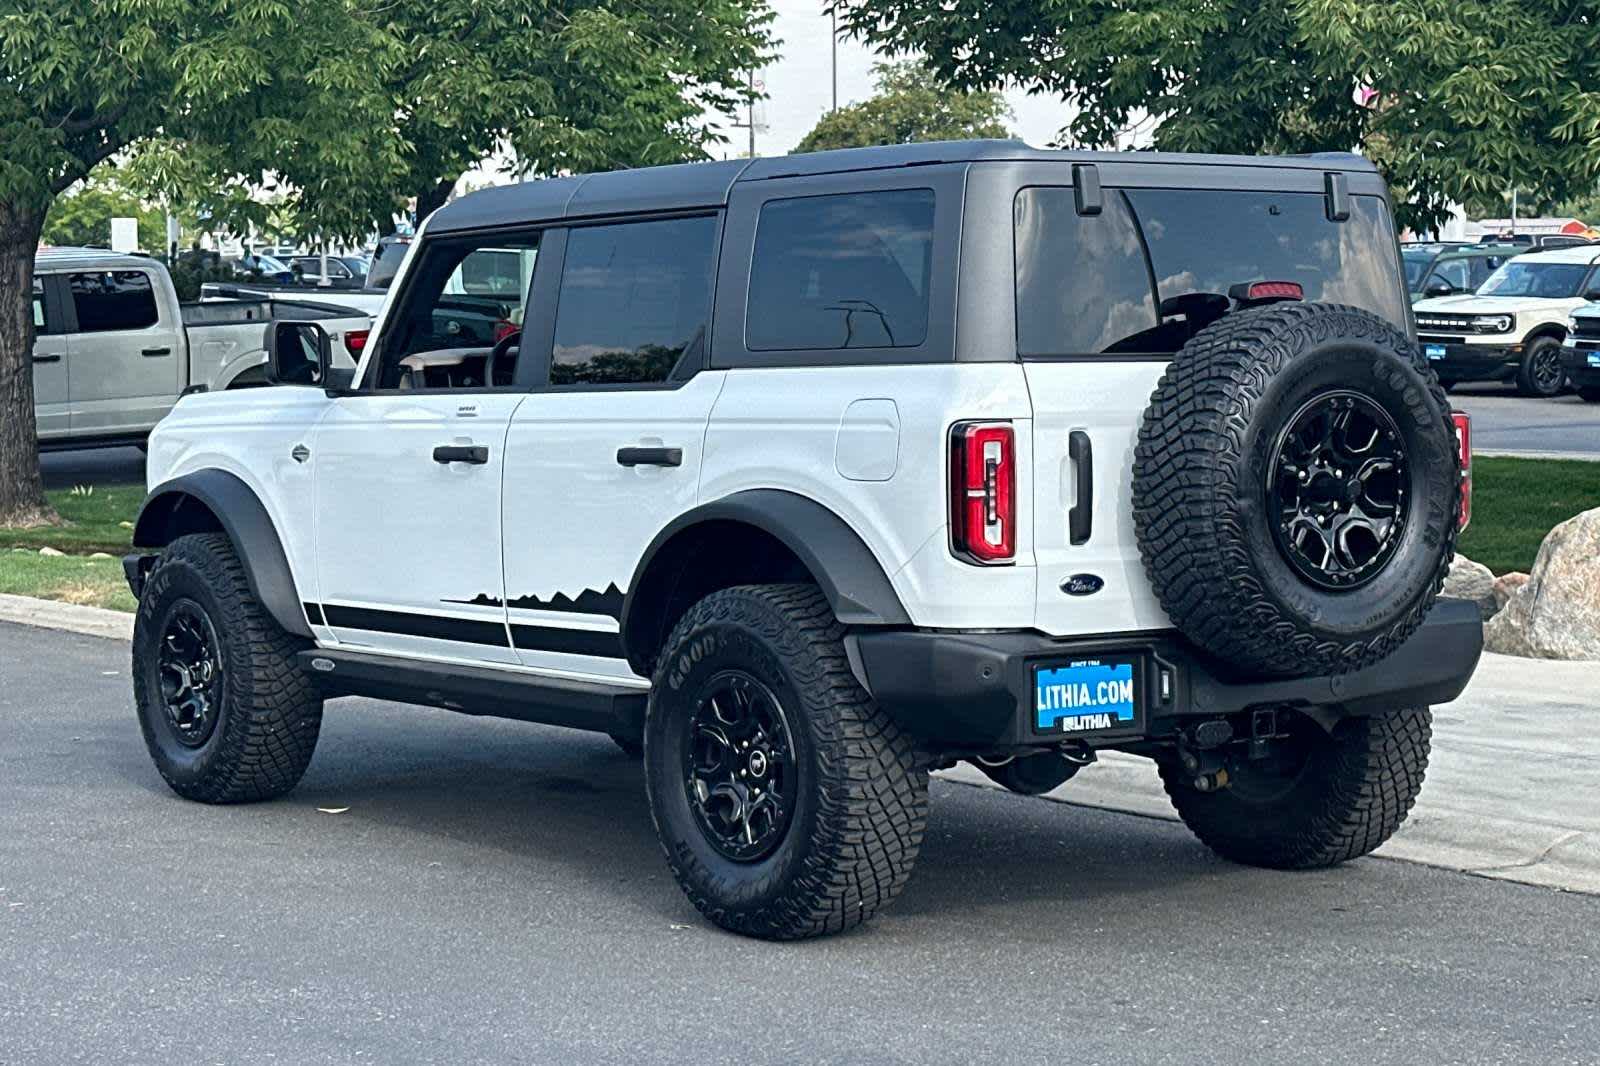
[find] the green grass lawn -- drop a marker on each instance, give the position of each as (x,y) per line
(1515,502)
(93,517)
(69,578)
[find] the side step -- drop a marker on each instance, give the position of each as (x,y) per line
(479,690)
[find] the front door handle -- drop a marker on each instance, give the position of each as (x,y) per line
(640,456)
(47,359)
(476,454)
(154,353)
(1080,516)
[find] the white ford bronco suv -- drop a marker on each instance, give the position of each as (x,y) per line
(805,476)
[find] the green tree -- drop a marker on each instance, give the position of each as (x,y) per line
(1471,95)
(248,86)
(564,85)
(911,105)
(81,217)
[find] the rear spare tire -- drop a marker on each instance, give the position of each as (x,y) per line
(1296,486)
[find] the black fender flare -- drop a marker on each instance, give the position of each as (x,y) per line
(849,575)
(165,516)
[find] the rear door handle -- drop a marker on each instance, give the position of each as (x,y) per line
(155,352)
(47,359)
(476,454)
(639,456)
(1080,517)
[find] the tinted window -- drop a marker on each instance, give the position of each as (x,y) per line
(1452,272)
(635,300)
(1521,277)
(38,306)
(386,263)
(846,271)
(113,300)
(1483,266)
(1157,264)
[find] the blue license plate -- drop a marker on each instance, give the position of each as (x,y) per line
(1434,351)
(1086,696)
(1594,358)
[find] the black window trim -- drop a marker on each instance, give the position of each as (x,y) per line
(1157,357)
(682,374)
(947,182)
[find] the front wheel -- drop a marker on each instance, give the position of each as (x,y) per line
(788,804)
(1316,800)
(1540,372)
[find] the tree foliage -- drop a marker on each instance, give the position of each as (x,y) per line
(911,105)
(1472,95)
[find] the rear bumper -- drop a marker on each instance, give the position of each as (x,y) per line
(1472,362)
(1580,371)
(958,691)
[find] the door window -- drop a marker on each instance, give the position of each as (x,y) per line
(463,298)
(843,271)
(112,300)
(1482,267)
(1454,273)
(635,301)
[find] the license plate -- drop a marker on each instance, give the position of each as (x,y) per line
(1594,358)
(1086,696)
(1434,351)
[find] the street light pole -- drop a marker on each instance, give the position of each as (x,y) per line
(834,41)
(750,113)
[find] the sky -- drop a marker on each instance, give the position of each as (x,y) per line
(799,92)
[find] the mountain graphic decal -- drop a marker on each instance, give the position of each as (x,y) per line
(608,603)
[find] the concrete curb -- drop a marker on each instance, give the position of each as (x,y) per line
(49,614)
(1506,453)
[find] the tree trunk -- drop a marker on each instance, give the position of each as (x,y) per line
(432,198)
(22,501)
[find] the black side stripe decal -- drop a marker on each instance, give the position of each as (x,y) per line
(469,631)
(434,627)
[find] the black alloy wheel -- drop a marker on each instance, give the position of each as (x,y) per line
(191,673)
(1336,490)
(739,768)
(1541,373)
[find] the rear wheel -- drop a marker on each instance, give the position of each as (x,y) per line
(227,714)
(789,805)
(1540,373)
(1316,800)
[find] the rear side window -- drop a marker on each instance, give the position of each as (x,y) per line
(113,300)
(1155,265)
(846,271)
(635,301)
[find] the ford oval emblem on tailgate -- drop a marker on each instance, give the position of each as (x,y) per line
(1083,584)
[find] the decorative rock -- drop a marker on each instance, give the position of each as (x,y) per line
(1471,581)
(1506,586)
(1556,612)
(107,555)
(51,552)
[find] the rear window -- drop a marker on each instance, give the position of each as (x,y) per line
(845,271)
(1155,265)
(113,300)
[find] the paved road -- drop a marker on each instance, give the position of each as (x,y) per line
(494,894)
(1502,421)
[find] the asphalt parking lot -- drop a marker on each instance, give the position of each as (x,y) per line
(1507,423)
(493,893)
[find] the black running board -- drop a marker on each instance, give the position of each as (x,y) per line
(479,690)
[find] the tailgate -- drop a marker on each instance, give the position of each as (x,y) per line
(1103,403)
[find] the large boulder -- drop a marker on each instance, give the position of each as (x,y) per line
(1556,613)
(1468,580)
(1506,586)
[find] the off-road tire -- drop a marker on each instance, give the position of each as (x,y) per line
(1528,383)
(270,711)
(1589,394)
(1355,790)
(862,799)
(1200,501)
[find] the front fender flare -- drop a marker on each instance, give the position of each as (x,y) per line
(167,514)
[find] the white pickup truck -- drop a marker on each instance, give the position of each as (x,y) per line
(115,349)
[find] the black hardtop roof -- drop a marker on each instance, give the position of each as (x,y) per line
(690,186)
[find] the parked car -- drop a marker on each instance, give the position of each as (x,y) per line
(1512,328)
(344,271)
(804,476)
(1434,270)
(1580,354)
(114,348)
(364,289)
(1543,241)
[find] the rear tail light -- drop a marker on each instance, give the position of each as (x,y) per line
(1463,422)
(983,492)
(355,341)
